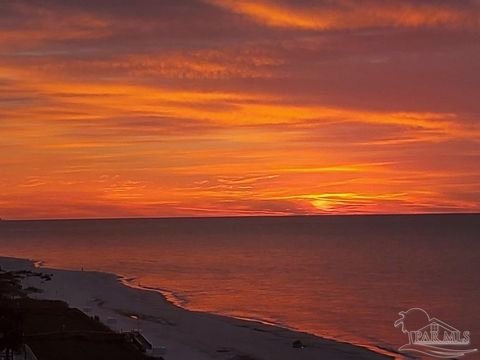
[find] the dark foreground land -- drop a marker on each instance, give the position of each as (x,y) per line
(52,329)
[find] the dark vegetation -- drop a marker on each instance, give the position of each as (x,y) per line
(52,329)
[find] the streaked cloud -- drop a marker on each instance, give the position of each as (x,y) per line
(350,14)
(238,108)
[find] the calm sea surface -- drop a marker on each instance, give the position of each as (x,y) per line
(340,277)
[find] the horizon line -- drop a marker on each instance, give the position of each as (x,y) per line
(240,216)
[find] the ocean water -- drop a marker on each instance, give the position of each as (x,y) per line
(345,278)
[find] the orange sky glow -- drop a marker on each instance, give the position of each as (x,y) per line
(221,107)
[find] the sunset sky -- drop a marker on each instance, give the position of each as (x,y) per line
(116,108)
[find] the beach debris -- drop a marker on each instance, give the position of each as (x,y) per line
(298,344)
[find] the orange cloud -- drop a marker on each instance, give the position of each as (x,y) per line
(99,117)
(348,14)
(45,24)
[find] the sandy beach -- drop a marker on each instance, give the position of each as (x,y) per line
(184,334)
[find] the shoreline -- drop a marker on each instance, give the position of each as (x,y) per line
(175,300)
(186,334)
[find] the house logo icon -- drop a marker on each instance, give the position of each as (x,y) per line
(431,336)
